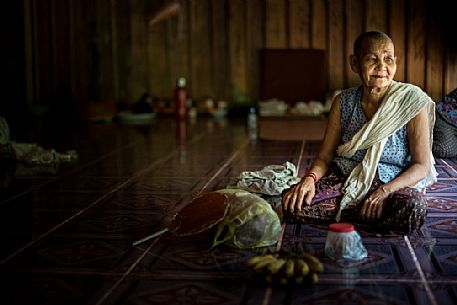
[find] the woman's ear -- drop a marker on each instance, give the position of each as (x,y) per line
(354,63)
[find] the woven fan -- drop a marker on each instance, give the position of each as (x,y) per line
(197,216)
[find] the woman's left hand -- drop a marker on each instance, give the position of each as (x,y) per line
(373,205)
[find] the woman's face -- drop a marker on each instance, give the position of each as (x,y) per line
(378,64)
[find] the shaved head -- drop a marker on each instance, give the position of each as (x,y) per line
(366,38)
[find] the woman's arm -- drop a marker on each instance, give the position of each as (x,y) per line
(330,142)
(419,145)
(305,190)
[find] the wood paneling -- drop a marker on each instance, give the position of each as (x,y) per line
(237,45)
(376,16)
(44,76)
(79,68)
(450,72)
(416,63)
(60,50)
(219,47)
(319,24)
(397,25)
(200,55)
(139,56)
(354,26)
(336,47)
(275,24)
(159,82)
(103,50)
(299,24)
(435,59)
(29,34)
(254,42)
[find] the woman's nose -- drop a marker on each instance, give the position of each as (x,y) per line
(381,64)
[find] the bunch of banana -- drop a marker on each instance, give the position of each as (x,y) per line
(289,269)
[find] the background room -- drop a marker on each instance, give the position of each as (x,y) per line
(96,153)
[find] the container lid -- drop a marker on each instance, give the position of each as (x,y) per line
(341,227)
(181,82)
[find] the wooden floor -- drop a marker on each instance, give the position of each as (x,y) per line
(66,232)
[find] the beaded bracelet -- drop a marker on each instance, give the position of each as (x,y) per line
(312,175)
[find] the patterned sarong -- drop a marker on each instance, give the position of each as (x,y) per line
(404,210)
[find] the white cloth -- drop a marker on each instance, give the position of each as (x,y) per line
(271,180)
(401,104)
(30,153)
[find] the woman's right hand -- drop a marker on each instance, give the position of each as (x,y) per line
(292,201)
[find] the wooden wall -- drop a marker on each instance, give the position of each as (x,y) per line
(87,51)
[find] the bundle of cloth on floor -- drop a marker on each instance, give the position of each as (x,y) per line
(29,153)
(271,180)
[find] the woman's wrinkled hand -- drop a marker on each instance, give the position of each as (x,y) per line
(373,205)
(292,201)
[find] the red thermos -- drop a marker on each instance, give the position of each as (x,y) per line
(180,98)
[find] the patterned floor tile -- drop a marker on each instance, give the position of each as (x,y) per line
(185,170)
(442,186)
(441,227)
(12,243)
(124,201)
(24,288)
(178,255)
(221,183)
(387,258)
(52,201)
(335,293)
(439,259)
(109,224)
(169,292)
(31,222)
(449,172)
(109,171)
(445,292)
(66,254)
(83,184)
(440,204)
(166,185)
(12,186)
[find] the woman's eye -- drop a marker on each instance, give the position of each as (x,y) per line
(389,60)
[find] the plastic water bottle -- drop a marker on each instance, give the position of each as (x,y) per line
(343,242)
(180,98)
(252,123)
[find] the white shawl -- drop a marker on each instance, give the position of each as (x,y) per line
(402,103)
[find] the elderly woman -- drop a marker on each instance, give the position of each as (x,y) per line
(375,160)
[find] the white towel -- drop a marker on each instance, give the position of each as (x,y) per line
(402,103)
